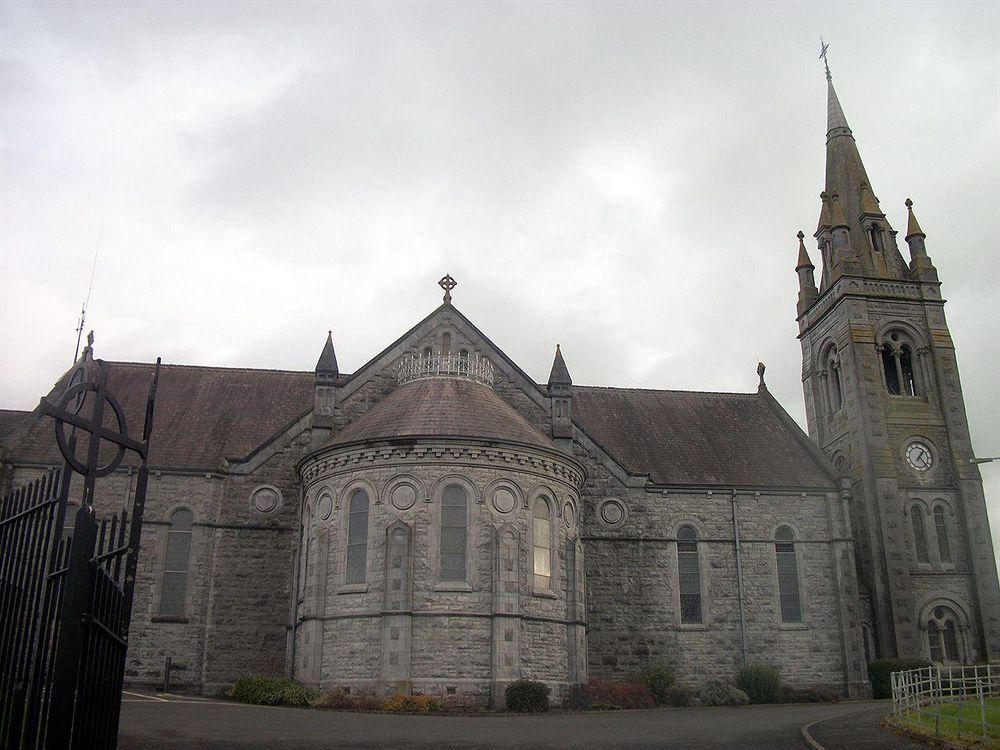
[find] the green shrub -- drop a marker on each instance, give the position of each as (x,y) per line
(271,691)
(879,671)
(411,704)
(350,701)
(790,694)
(659,678)
(721,693)
(527,696)
(760,682)
(679,695)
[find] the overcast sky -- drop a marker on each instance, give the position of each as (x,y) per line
(626,180)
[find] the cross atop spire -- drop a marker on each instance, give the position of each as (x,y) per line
(823,47)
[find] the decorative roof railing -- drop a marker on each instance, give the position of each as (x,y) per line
(472,367)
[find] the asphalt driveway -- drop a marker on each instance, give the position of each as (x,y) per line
(165,722)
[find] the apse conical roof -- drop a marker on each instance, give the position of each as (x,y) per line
(443,407)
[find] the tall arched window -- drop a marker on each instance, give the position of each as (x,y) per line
(942,636)
(788,575)
(836,390)
(941,528)
(897,365)
(689,574)
(175,569)
(357,537)
(919,533)
(876,237)
(454,532)
(541,525)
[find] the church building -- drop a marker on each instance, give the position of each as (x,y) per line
(441,522)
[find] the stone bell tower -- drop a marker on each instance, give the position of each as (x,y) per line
(884,401)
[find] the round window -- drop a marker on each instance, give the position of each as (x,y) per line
(403,496)
(919,456)
(325,506)
(265,499)
(504,500)
(612,512)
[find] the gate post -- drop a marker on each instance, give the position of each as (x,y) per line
(75,597)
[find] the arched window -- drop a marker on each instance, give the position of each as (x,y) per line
(541,524)
(357,537)
(446,343)
(788,575)
(175,569)
(897,365)
(942,636)
(919,533)
(876,237)
(941,527)
(428,352)
(836,390)
(454,532)
(689,574)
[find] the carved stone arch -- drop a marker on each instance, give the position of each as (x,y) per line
(942,502)
(916,336)
(354,484)
(435,494)
(688,520)
(318,500)
(841,461)
(537,491)
(928,602)
(171,509)
(796,532)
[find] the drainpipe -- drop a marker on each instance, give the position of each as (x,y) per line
(290,669)
(739,586)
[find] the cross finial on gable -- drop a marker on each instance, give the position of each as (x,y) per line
(447,283)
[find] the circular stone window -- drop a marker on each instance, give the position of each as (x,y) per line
(403,496)
(325,506)
(504,500)
(265,499)
(612,512)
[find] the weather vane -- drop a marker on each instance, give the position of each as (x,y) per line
(823,47)
(447,283)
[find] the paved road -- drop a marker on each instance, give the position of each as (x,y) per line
(198,724)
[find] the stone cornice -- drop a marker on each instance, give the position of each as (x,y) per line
(443,452)
(863,287)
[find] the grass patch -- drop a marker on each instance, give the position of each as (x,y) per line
(966,715)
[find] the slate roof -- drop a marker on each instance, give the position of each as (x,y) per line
(690,437)
(203,414)
(443,407)
(10,421)
(207,414)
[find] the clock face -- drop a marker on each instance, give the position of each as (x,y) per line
(919,456)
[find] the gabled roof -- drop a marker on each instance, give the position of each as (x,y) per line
(10,421)
(443,407)
(203,415)
(695,438)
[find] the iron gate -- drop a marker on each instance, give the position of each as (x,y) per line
(66,595)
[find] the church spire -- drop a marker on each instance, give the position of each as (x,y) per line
(327,363)
(853,201)
(559,375)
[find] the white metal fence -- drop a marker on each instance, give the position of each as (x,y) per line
(952,700)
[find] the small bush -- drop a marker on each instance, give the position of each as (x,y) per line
(679,695)
(608,694)
(349,701)
(790,694)
(760,682)
(271,691)
(721,693)
(411,704)
(527,696)
(659,678)
(879,671)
